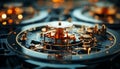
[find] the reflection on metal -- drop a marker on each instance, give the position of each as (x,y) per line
(65,43)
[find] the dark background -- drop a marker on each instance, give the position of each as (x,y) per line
(9,60)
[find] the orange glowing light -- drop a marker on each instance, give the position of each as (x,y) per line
(98,10)
(10,21)
(18,10)
(44,29)
(20,16)
(58,1)
(110,20)
(9,11)
(4,23)
(4,16)
(111,11)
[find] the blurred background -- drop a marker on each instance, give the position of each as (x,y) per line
(18,13)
